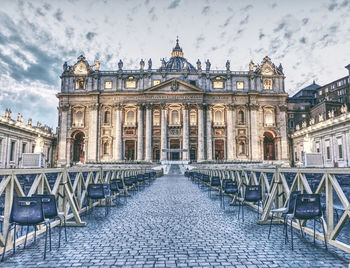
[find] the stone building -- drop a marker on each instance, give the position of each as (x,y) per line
(177,112)
(17,137)
(329,137)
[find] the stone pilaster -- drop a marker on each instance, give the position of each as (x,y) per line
(118,135)
(200,134)
(185,137)
(230,138)
(93,139)
(62,141)
(209,135)
(254,138)
(283,130)
(163,134)
(148,140)
(140,133)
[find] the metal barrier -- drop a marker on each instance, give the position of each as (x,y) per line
(332,184)
(68,185)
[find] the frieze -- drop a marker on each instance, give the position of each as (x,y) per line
(157,97)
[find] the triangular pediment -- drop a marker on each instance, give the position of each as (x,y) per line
(175,85)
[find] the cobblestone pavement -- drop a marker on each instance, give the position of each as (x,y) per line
(174,223)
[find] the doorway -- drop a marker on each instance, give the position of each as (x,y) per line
(175,144)
(269,146)
(78,147)
(130,150)
(219,149)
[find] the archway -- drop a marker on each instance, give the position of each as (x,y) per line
(219,149)
(156,153)
(269,145)
(78,147)
(130,150)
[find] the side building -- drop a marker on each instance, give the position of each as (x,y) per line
(176,112)
(322,124)
(17,137)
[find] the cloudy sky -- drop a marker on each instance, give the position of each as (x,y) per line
(310,38)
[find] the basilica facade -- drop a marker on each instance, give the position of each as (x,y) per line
(177,111)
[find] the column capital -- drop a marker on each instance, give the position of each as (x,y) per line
(230,107)
(254,107)
(94,106)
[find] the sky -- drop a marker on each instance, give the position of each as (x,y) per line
(310,38)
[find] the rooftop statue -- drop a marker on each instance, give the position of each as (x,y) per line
(149,64)
(207,65)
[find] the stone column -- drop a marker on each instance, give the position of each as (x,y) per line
(93,138)
(200,155)
(254,138)
(118,135)
(163,134)
(148,140)
(62,138)
(230,139)
(185,135)
(209,136)
(140,133)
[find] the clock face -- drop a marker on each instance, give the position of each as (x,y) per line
(267,71)
(80,69)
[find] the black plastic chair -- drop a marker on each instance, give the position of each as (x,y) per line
(229,187)
(51,213)
(26,211)
(285,211)
(96,192)
(307,207)
(253,194)
(215,183)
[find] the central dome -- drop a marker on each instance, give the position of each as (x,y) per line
(177,61)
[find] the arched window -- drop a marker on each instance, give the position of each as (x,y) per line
(105,148)
(107,118)
(241,117)
(156,118)
(193,118)
(218,117)
(80,83)
(130,117)
(242,147)
(175,119)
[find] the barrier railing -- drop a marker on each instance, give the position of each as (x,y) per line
(68,185)
(332,184)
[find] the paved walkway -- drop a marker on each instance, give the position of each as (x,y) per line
(174,223)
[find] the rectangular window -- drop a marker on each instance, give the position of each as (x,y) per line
(130,84)
(193,82)
(33,147)
(24,146)
(156,82)
(328,149)
(12,151)
(320,93)
(240,85)
(108,85)
(267,83)
(340,151)
(218,84)
(295,156)
(317,147)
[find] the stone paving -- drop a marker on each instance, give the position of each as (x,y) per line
(173,223)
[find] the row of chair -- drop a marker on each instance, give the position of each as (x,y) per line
(300,206)
(36,210)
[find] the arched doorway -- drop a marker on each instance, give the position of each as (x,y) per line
(130,150)
(175,144)
(269,145)
(219,149)
(156,154)
(78,147)
(193,153)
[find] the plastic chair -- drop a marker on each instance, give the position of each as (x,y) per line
(252,194)
(26,211)
(96,192)
(51,213)
(229,187)
(308,207)
(215,183)
(285,210)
